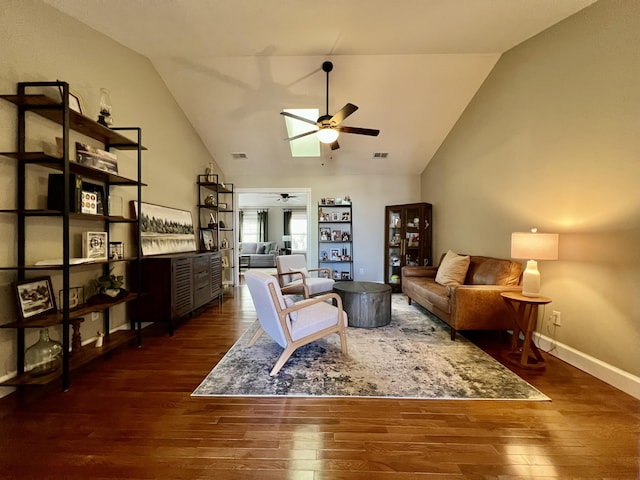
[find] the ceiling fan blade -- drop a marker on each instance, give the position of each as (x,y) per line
(347,110)
(297,117)
(335,145)
(359,131)
(301,135)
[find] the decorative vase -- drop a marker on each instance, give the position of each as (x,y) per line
(44,356)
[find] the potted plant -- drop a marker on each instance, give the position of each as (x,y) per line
(108,288)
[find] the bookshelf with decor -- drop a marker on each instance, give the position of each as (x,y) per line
(216,222)
(335,237)
(79,194)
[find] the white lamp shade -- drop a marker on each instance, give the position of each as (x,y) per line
(534,246)
(327,135)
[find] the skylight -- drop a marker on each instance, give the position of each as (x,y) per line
(308,146)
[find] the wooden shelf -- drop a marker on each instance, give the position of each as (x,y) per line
(57,318)
(50,108)
(45,160)
(78,359)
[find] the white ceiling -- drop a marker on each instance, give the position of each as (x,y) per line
(411,67)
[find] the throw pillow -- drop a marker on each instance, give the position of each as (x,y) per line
(261,248)
(453,269)
(288,301)
(303,271)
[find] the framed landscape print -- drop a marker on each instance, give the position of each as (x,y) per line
(35,297)
(164,230)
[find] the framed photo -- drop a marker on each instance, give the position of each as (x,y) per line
(35,297)
(345,276)
(331,201)
(92,199)
(324,257)
(76,297)
(336,275)
(345,217)
(207,239)
(75,102)
(336,235)
(335,216)
(94,245)
(335,254)
(164,229)
(325,234)
(116,250)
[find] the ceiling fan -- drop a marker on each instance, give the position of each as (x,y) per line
(284,197)
(328,127)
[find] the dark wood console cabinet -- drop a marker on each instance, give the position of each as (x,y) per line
(176,285)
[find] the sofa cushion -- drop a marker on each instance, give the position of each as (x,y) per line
(261,248)
(249,248)
(493,271)
(303,271)
(453,269)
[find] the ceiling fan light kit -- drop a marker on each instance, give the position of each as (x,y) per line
(327,127)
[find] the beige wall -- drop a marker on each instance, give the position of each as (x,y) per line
(551,140)
(39,43)
(369,195)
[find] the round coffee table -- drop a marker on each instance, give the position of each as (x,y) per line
(368,304)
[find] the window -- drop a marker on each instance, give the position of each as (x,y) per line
(299,230)
(249,226)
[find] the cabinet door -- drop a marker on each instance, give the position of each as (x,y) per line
(201,281)
(182,291)
(215,270)
(394,240)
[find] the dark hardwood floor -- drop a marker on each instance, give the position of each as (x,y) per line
(131,416)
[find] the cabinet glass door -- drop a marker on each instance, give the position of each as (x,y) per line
(395,245)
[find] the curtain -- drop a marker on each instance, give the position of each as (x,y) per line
(287,221)
(263,225)
(241,218)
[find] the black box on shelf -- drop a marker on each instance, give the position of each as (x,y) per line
(55,198)
(78,192)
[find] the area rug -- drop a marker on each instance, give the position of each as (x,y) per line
(412,357)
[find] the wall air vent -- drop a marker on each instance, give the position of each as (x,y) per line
(380,155)
(238,155)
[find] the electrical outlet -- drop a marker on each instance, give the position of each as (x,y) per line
(555,317)
(362,270)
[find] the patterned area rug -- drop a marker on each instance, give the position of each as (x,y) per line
(413,357)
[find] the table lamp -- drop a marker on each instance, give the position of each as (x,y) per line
(533,246)
(286,239)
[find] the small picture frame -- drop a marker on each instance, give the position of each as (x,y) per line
(336,275)
(335,254)
(345,217)
(224,262)
(324,256)
(76,297)
(75,102)
(345,276)
(207,240)
(35,297)
(94,245)
(335,216)
(331,201)
(325,234)
(116,250)
(336,236)
(223,206)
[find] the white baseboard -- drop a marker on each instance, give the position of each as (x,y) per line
(614,376)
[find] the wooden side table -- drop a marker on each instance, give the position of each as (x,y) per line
(525,313)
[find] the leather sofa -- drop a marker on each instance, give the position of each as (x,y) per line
(474,305)
(258,254)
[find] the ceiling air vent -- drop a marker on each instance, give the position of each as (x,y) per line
(380,155)
(238,155)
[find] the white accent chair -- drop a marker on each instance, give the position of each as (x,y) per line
(296,278)
(293,324)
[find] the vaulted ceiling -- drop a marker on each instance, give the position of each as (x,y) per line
(411,67)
